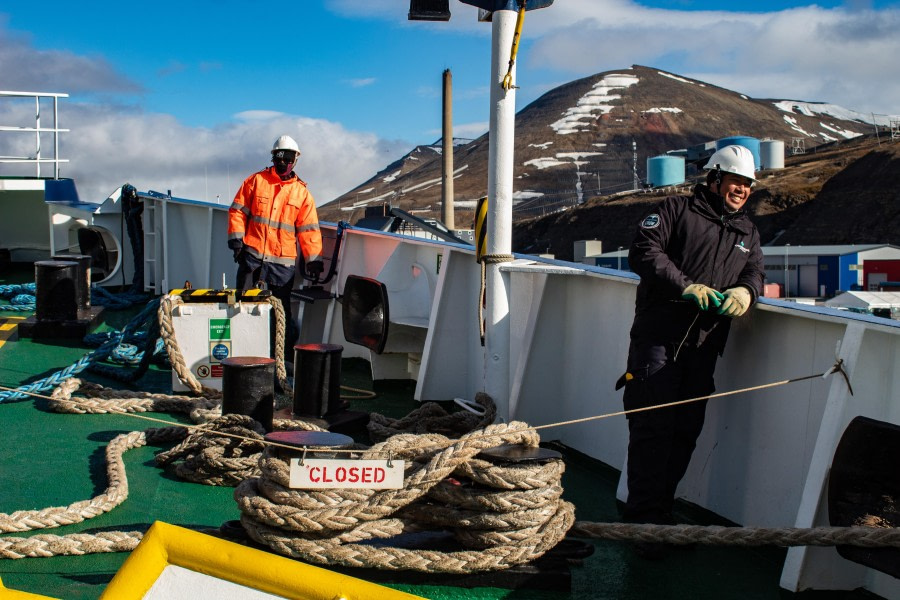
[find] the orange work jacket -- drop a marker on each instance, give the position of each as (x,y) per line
(272,216)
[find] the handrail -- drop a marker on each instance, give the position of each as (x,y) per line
(36,159)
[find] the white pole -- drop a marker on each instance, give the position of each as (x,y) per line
(499,221)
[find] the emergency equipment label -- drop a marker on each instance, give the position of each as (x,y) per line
(219,344)
(219,329)
(323,473)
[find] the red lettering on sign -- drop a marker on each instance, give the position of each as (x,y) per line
(341,474)
(354,474)
(312,475)
(379,475)
(367,475)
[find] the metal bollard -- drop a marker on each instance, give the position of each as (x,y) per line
(56,293)
(317,379)
(248,388)
(83,279)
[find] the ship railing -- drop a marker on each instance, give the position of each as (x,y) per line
(46,139)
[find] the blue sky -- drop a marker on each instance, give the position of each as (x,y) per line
(188,95)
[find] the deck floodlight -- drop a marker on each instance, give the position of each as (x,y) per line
(365,313)
(429,10)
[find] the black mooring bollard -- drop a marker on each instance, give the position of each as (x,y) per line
(317,379)
(56,297)
(248,388)
(83,281)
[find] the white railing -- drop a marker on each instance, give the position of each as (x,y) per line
(39,156)
(764,456)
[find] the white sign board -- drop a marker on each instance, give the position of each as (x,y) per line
(326,473)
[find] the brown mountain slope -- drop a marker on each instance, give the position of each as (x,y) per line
(589,138)
(842,193)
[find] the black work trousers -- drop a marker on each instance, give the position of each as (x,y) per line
(661,441)
(248,277)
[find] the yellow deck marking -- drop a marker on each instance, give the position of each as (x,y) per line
(8,327)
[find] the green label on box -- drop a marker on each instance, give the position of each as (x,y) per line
(220,329)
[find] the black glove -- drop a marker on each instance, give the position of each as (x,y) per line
(314,269)
(237,246)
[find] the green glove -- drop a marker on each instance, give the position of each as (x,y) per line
(702,295)
(736,303)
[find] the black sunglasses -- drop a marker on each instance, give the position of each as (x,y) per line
(286,156)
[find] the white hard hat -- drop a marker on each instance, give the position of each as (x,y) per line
(733,159)
(285,142)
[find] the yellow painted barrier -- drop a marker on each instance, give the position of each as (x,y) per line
(166,545)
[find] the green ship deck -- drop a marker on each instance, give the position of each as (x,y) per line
(52,459)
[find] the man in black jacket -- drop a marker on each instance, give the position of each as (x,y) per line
(700,265)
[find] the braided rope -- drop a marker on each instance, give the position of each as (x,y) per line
(280,328)
(20,296)
(501,528)
(82,543)
(432,418)
(74,544)
(868,537)
(509,525)
(100,354)
(100,296)
(115,494)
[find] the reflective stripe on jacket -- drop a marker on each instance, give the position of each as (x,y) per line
(272,216)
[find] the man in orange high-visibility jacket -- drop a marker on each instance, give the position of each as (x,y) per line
(272,212)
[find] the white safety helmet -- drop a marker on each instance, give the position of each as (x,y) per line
(285,142)
(733,159)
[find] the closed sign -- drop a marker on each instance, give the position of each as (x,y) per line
(322,473)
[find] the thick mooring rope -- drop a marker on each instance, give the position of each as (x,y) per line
(867,537)
(81,543)
(498,527)
(227,452)
(432,418)
(501,515)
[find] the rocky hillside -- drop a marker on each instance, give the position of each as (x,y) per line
(840,193)
(590,138)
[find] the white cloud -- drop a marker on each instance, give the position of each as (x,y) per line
(27,68)
(842,56)
(362,82)
(258,115)
(108,146)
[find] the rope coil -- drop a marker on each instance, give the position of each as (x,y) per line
(326,526)
(501,515)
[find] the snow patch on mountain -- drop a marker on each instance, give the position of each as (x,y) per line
(596,102)
(811,109)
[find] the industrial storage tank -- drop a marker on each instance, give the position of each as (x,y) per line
(750,143)
(665,170)
(771,154)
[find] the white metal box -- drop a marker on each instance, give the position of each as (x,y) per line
(208,333)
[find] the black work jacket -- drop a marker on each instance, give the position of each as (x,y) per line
(689,239)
